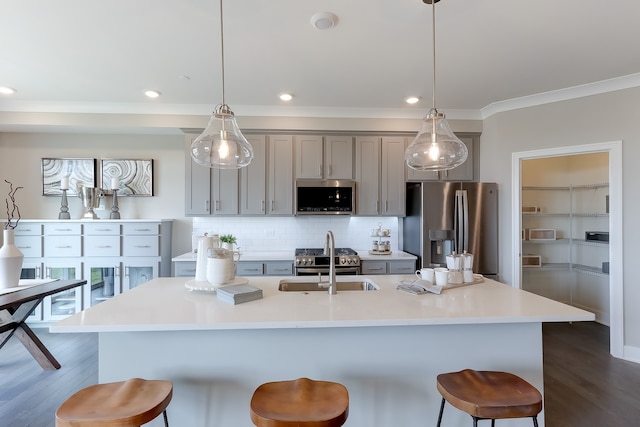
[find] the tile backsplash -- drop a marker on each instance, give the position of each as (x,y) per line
(288,233)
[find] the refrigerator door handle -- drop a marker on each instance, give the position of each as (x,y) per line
(461,221)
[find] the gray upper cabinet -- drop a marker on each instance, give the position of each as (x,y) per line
(197,194)
(468,171)
(266,185)
(380,175)
(209,191)
(328,157)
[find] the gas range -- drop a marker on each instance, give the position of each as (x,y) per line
(314,261)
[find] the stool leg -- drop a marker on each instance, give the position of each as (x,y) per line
(535,421)
(441,411)
(166,421)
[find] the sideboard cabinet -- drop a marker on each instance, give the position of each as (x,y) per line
(112,256)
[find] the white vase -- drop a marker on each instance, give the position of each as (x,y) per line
(10,261)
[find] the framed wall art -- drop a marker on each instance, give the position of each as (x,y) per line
(77,170)
(133,177)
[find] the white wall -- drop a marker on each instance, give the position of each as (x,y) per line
(20,163)
(595,119)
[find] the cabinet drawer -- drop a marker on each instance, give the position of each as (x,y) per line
(30,246)
(58,229)
(374,267)
(402,267)
(279,268)
(27,229)
(62,246)
(102,246)
(140,245)
(250,269)
(185,269)
(141,228)
(102,229)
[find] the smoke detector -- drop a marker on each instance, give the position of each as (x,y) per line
(324,20)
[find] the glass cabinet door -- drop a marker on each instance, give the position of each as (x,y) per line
(32,270)
(103,280)
(139,271)
(65,303)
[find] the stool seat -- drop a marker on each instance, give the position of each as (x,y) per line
(124,404)
(300,403)
(489,395)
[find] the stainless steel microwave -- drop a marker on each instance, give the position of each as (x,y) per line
(326,197)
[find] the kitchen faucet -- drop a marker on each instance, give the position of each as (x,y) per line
(330,249)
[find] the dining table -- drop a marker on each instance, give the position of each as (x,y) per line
(16,305)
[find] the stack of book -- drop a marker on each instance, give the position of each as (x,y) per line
(237,294)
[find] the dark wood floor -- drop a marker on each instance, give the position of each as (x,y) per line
(584,386)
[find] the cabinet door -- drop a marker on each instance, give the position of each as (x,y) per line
(249,268)
(392,178)
(103,280)
(184,269)
(280,175)
(197,195)
(65,303)
(224,184)
(278,268)
(253,187)
(367,175)
(338,153)
(138,271)
(402,267)
(309,156)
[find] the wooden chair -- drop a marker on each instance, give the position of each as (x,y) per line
(300,403)
(489,395)
(128,403)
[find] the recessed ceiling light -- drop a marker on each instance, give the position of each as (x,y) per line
(412,100)
(286,97)
(152,93)
(6,90)
(324,20)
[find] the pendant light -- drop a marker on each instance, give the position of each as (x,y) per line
(435,147)
(222,145)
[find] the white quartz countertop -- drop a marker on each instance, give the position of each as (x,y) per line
(289,256)
(165,304)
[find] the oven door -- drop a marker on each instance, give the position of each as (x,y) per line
(314,271)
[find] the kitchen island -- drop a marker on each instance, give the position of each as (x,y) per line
(385,346)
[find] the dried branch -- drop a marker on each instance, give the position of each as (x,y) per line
(14,210)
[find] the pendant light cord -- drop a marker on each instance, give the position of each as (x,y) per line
(433,39)
(222,49)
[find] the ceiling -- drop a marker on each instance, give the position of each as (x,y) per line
(492,55)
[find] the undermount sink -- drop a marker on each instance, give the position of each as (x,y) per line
(299,286)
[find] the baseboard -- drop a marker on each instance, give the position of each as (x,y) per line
(632,354)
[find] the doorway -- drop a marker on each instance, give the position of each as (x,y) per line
(558,192)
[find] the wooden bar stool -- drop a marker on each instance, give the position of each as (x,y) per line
(489,395)
(300,403)
(128,403)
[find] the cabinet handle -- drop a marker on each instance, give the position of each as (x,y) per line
(217,205)
(63,247)
(386,206)
(320,171)
(280,269)
(252,269)
(377,206)
(62,229)
(142,246)
(103,247)
(272,205)
(116,271)
(126,271)
(330,170)
(375,269)
(142,229)
(262,206)
(206,206)
(23,247)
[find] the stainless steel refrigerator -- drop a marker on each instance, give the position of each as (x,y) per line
(443,217)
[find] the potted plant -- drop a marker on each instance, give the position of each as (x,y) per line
(10,256)
(228,240)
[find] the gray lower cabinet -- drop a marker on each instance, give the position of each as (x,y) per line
(388,267)
(244,268)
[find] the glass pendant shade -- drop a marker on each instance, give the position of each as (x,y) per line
(435,147)
(222,145)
